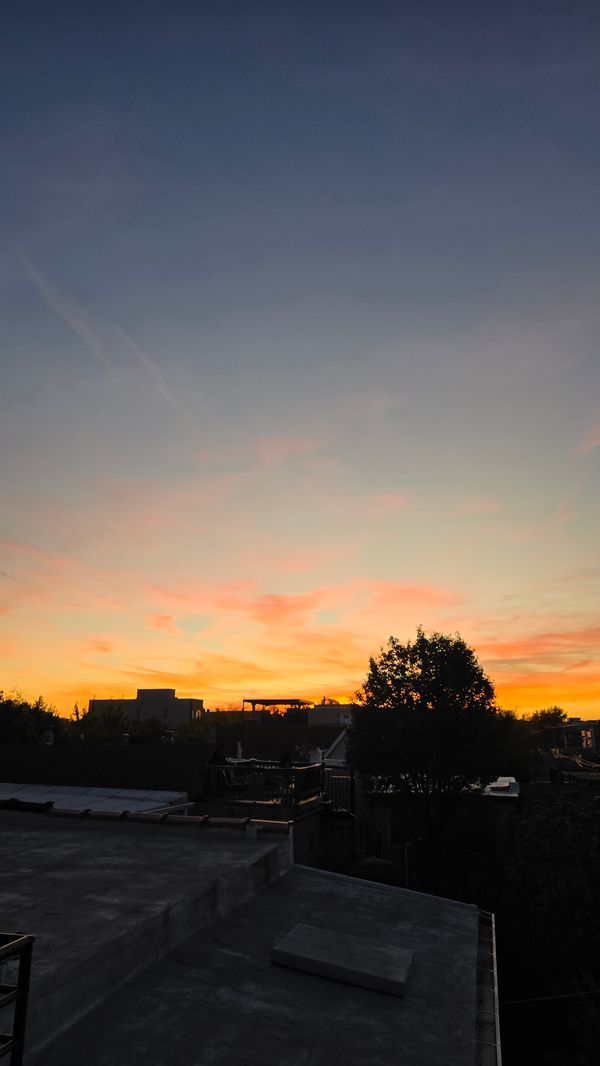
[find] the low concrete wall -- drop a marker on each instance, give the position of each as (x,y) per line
(75,989)
(159,766)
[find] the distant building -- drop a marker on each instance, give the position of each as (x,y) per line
(330,714)
(160,704)
(580,733)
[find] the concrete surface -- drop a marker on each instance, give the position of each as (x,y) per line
(342,957)
(74,797)
(106,900)
(219,1001)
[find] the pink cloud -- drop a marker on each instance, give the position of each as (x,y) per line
(362,605)
(164,622)
(540,647)
(273,610)
(193,596)
(383,504)
(591,440)
(391,594)
(257,454)
(274,452)
(38,578)
(563,513)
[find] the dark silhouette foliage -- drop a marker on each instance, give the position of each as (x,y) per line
(545,726)
(428,722)
(22,722)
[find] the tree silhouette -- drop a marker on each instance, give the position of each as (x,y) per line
(427,721)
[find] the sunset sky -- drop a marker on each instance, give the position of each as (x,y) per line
(300,306)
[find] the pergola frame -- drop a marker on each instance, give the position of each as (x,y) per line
(267,701)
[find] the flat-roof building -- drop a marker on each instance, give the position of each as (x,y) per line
(158,704)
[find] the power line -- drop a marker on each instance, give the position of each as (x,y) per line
(545,999)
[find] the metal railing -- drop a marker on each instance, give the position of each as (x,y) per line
(15,946)
(266,784)
(338,785)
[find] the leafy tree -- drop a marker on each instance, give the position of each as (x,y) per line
(104,724)
(144,730)
(427,721)
(197,730)
(22,722)
(550,716)
(545,724)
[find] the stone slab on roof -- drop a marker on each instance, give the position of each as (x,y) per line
(343,957)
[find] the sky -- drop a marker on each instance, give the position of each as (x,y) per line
(299,317)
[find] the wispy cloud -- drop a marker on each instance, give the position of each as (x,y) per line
(151,368)
(76,317)
(97,338)
(38,579)
(544,644)
(360,603)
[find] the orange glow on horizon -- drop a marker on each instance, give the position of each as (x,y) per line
(579,697)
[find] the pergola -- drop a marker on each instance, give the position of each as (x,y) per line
(268,701)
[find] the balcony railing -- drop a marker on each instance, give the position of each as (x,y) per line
(15,951)
(266,784)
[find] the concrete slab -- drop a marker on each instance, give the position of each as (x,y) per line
(342,957)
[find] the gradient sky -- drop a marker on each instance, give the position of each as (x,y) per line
(299,344)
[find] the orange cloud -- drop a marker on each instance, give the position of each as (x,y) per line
(542,646)
(164,622)
(99,645)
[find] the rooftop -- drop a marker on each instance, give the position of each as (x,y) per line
(188,916)
(77,797)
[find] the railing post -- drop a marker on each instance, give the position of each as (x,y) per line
(20,1016)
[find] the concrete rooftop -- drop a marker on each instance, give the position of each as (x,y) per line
(76,797)
(105,899)
(197,912)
